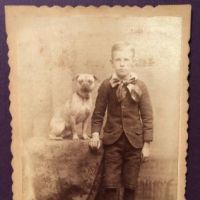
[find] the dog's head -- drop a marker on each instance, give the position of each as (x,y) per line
(85,82)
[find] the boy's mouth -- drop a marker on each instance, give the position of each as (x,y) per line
(121,70)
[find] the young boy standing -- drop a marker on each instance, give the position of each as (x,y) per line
(129,125)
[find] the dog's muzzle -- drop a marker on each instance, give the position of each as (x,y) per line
(86,88)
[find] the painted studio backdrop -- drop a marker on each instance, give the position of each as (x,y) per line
(52,47)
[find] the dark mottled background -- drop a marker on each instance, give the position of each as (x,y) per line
(193,177)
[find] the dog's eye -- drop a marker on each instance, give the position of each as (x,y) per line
(89,81)
(80,81)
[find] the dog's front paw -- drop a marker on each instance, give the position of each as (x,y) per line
(85,136)
(75,137)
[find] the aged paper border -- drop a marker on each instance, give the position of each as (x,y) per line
(183,11)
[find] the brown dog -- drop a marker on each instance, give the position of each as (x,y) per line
(76,110)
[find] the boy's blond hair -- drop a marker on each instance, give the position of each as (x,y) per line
(123,45)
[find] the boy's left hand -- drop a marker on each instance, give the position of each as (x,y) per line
(145,152)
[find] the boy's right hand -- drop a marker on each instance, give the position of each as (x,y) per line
(95,142)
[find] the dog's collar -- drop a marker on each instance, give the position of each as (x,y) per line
(83,95)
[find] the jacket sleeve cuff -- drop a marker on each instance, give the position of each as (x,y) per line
(148,137)
(96,128)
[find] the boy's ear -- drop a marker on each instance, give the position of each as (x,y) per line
(95,78)
(75,77)
(133,62)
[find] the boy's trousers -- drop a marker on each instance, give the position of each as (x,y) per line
(121,164)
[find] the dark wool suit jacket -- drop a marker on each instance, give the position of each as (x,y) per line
(129,117)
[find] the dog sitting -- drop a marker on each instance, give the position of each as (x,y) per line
(75,111)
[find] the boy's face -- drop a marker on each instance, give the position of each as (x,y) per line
(122,62)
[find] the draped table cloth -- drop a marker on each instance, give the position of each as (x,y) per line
(61,170)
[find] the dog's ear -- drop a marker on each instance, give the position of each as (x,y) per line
(95,78)
(75,77)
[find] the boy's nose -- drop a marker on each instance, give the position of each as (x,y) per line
(121,65)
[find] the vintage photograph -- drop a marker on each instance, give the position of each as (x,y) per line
(98,98)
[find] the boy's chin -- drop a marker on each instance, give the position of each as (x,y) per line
(122,75)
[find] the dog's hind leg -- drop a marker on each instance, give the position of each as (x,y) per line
(57,126)
(67,132)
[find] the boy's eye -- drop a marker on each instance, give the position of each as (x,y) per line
(119,59)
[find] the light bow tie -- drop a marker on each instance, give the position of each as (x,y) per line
(123,85)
